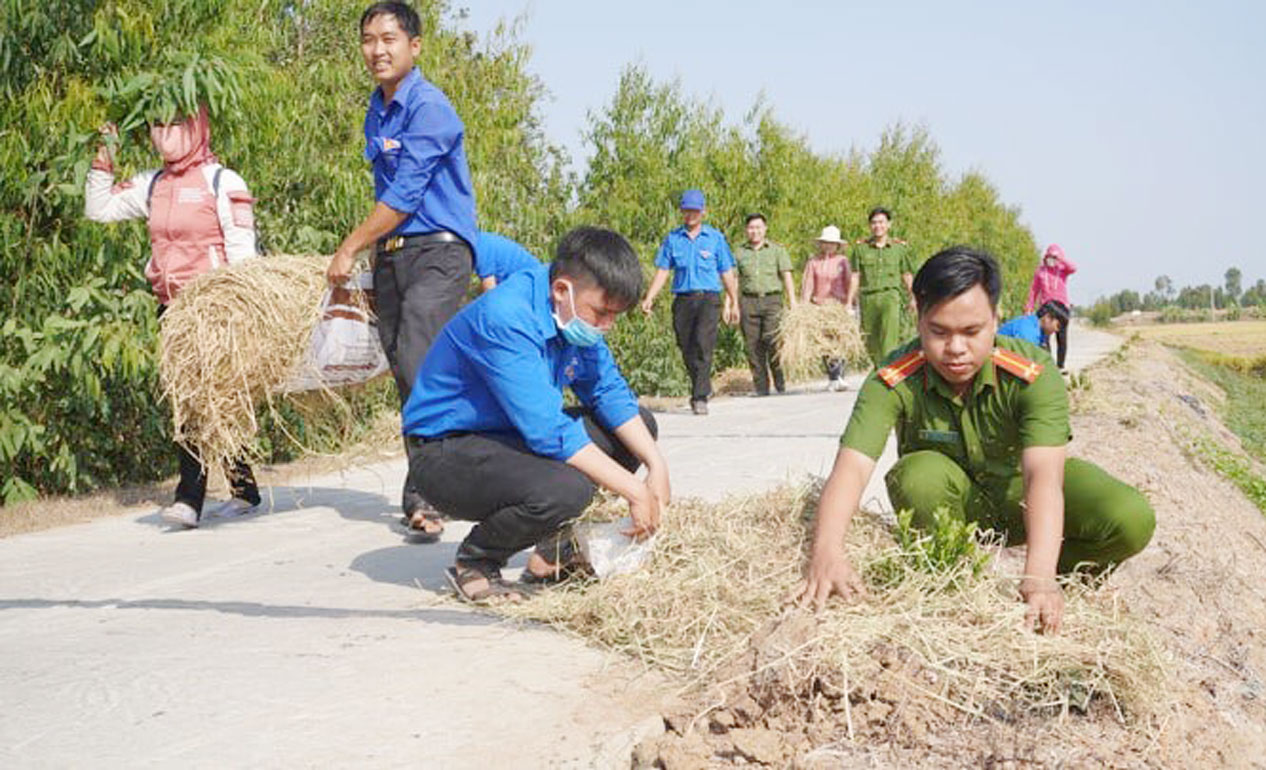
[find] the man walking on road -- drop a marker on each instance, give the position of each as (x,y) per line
(424,220)
(700,260)
(883,271)
(982,425)
(764,276)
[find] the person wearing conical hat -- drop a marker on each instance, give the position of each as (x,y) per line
(827,278)
(883,271)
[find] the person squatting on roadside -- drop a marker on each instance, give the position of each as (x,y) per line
(200,216)
(1050,282)
(700,260)
(827,278)
(982,425)
(497,258)
(764,277)
(486,417)
(1037,328)
(883,270)
(423,222)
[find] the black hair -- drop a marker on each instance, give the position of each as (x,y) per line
(600,257)
(755,215)
(879,210)
(406,17)
(1058,310)
(954,271)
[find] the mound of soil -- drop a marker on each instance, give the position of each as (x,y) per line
(1197,585)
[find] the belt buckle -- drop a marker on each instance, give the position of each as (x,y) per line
(393,244)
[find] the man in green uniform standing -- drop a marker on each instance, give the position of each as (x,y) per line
(982,424)
(764,275)
(883,270)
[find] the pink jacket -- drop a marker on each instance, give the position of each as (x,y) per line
(1050,283)
(825,278)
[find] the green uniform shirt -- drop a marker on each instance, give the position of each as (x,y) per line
(760,269)
(985,432)
(881,268)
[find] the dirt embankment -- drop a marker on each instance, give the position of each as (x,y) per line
(1198,586)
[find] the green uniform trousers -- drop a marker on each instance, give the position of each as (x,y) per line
(760,316)
(881,322)
(1106,521)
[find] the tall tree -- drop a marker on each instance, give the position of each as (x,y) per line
(1233,286)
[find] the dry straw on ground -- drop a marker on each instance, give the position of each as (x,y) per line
(809,332)
(711,605)
(229,342)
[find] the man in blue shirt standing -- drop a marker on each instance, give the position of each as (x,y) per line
(700,260)
(424,220)
(498,257)
(487,422)
(1038,327)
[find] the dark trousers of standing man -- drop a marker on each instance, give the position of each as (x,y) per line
(1061,337)
(520,499)
(760,315)
(695,318)
(419,283)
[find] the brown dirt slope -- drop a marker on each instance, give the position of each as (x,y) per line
(1198,586)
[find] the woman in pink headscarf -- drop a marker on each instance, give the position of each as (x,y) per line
(200,217)
(1050,282)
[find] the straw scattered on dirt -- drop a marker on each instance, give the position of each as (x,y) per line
(947,643)
(807,333)
(231,340)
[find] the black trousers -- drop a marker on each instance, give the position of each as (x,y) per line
(518,498)
(695,319)
(1062,337)
(418,288)
(192,489)
(760,317)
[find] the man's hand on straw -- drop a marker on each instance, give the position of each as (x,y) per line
(828,574)
(1045,603)
(644,509)
(657,481)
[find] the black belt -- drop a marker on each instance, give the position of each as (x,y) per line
(760,296)
(696,294)
(388,245)
(415,440)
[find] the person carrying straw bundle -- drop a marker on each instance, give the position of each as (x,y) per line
(485,417)
(827,278)
(982,425)
(200,217)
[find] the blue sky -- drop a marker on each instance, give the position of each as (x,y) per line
(1128,132)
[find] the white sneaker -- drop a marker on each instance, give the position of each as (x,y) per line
(833,386)
(180,514)
(231,508)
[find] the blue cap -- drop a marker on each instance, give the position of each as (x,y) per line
(692,200)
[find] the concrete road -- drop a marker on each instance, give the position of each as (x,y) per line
(316,635)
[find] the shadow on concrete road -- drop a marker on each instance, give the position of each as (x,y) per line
(255,609)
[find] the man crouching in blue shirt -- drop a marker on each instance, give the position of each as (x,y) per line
(487,422)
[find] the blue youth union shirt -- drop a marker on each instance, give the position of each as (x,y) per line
(500,366)
(698,263)
(1026,328)
(416,148)
(500,257)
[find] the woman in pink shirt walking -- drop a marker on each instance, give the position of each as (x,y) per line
(1050,282)
(827,278)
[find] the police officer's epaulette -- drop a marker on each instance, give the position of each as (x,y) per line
(900,242)
(860,241)
(1013,362)
(903,367)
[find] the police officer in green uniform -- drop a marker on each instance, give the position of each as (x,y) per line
(764,275)
(982,424)
(883,269)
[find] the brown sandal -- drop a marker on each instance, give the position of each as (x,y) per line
(424,525)
(495,591)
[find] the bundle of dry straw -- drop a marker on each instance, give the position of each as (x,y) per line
(719,579)
(807,333)
(230,341)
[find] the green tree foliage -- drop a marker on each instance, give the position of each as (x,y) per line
(78,403)
(1233,284)
(78,379)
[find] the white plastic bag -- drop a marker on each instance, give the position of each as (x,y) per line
(343,350)
(608,551)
